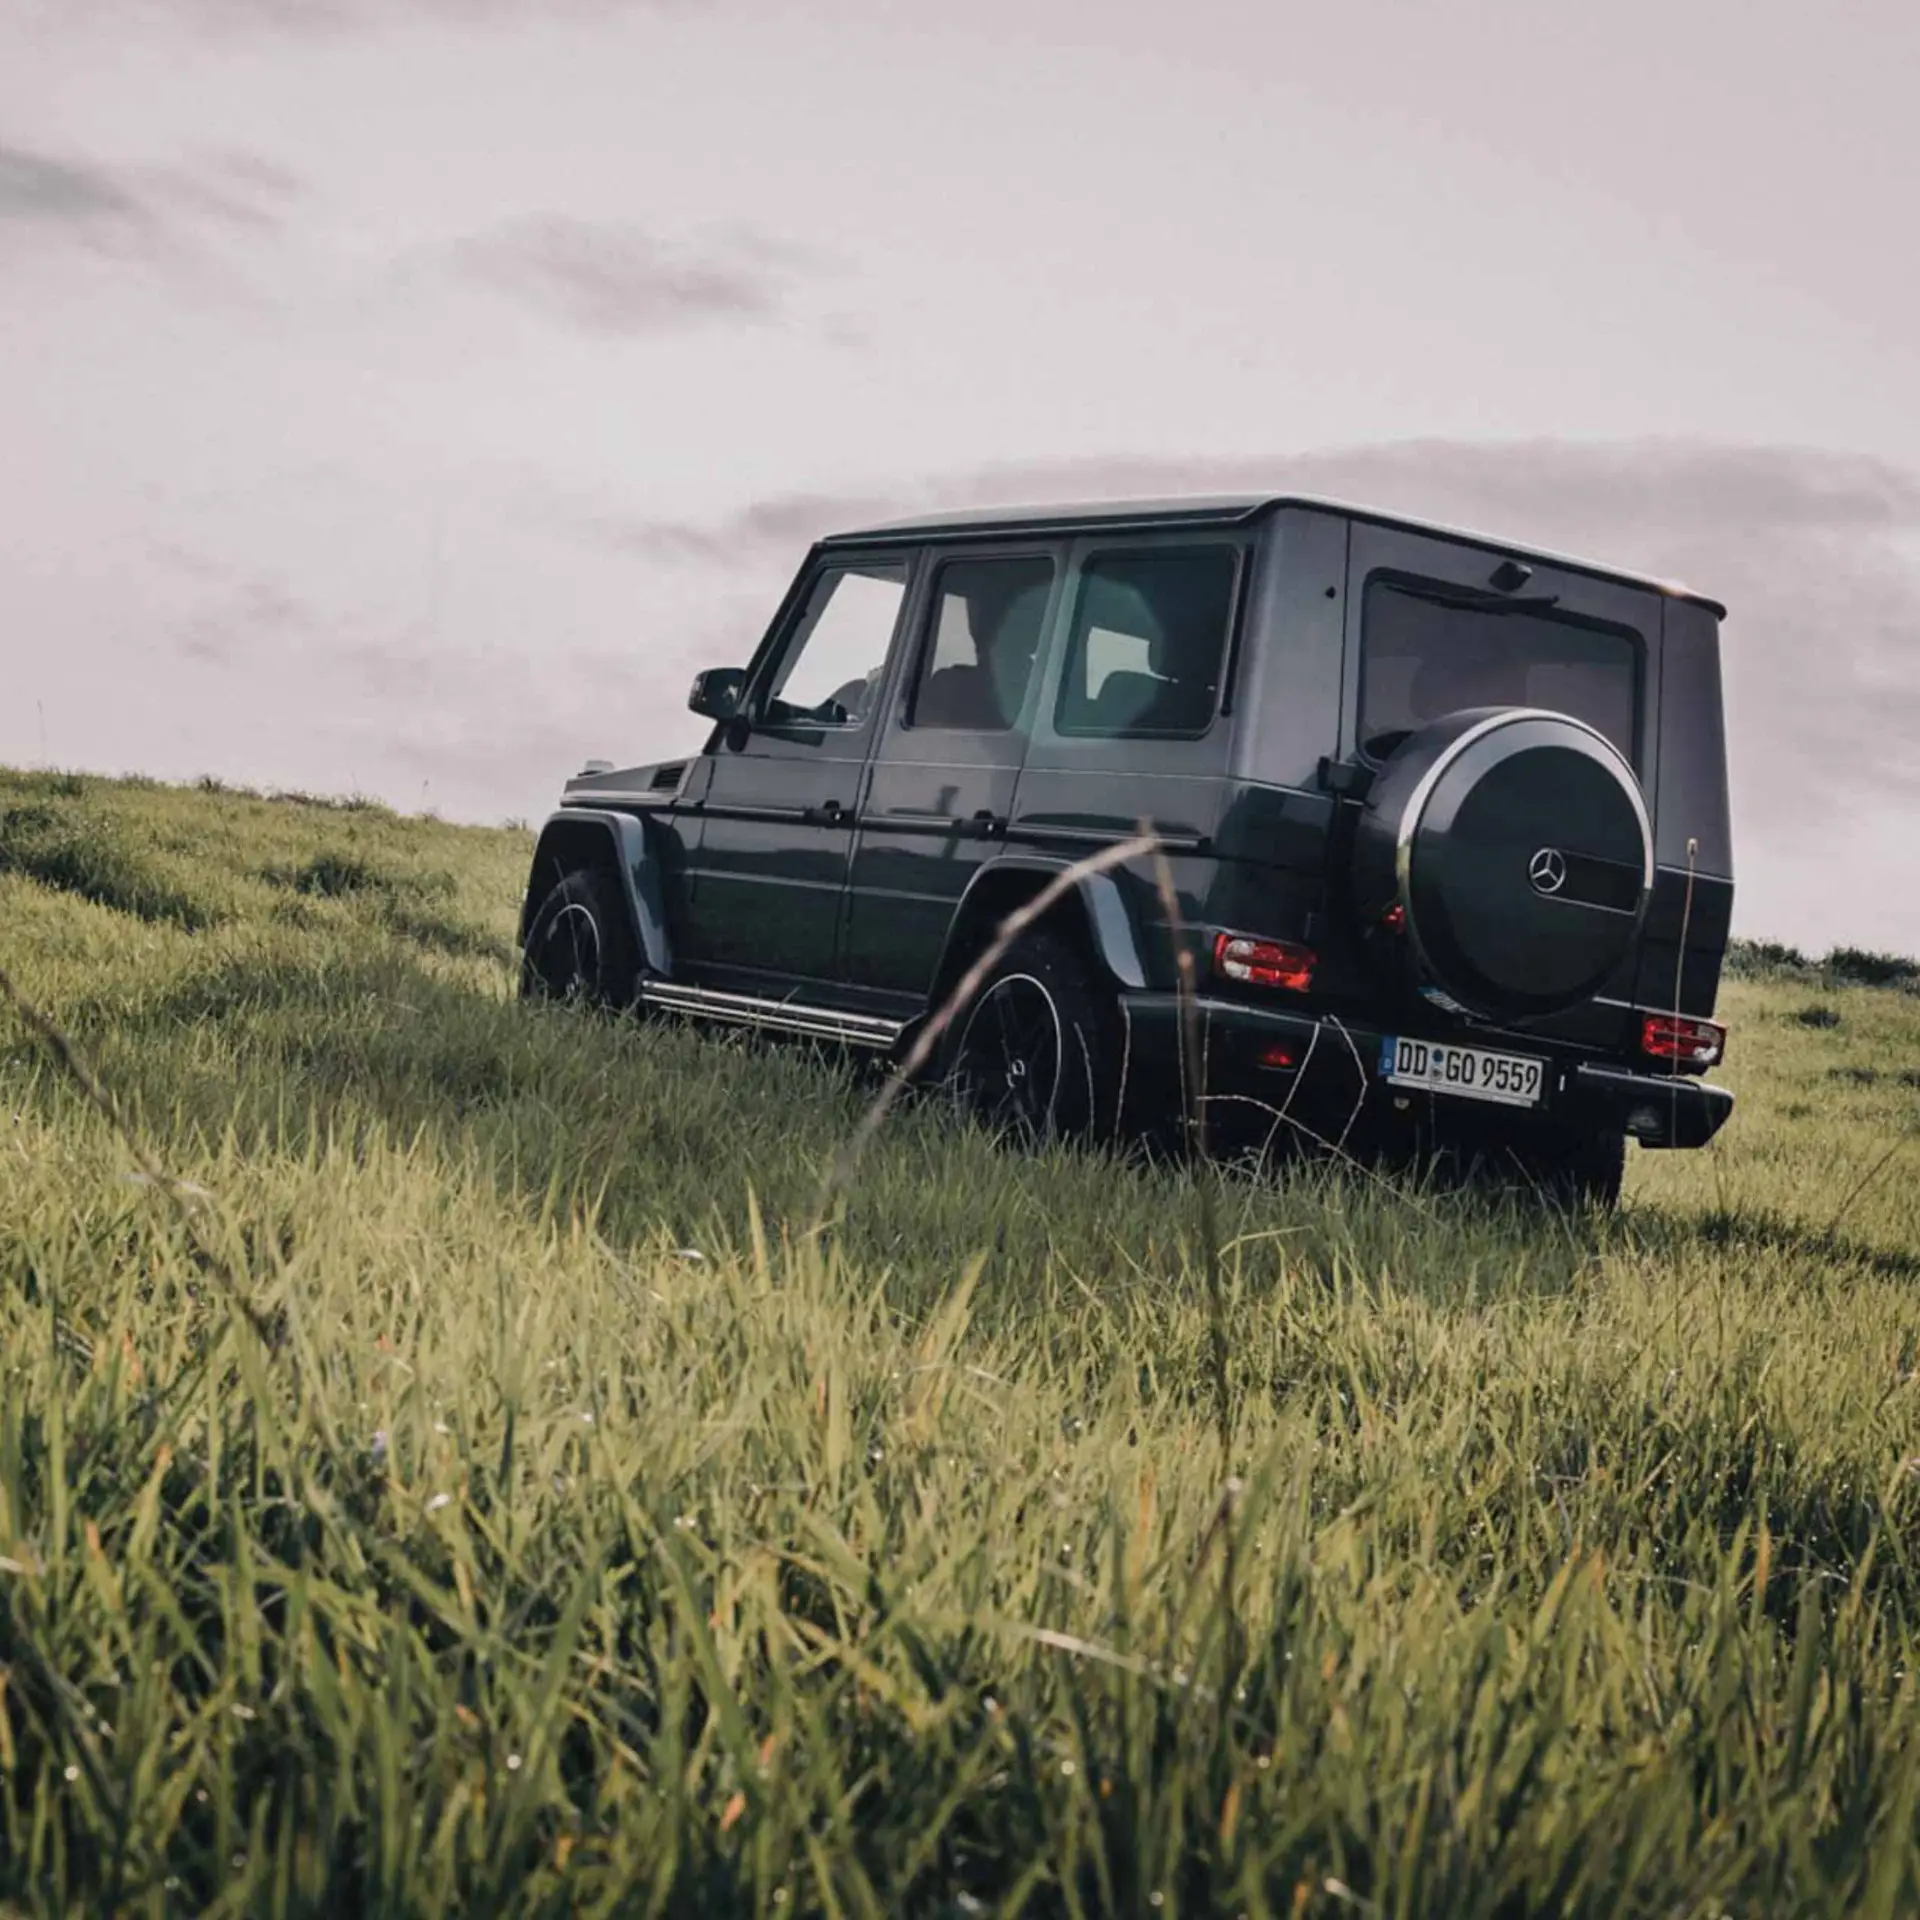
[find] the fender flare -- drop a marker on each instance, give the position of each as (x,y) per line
(1109,922)
(581,836)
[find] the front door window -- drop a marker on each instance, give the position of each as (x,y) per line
(830,673)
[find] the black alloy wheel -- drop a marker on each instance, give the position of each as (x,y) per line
(579,947)
(1033,1056)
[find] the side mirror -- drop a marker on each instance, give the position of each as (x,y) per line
(716,693)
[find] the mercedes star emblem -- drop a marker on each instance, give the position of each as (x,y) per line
(1548,870)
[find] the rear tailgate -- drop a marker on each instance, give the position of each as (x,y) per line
(1434,624)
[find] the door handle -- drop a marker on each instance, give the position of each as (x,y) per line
(829,813)
(986,823)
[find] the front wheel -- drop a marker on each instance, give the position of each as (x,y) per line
(1034,1055)
(580,945)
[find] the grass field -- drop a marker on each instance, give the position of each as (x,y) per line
(484,1485)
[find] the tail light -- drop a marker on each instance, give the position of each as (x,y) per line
(1263,963)
(1688,1043)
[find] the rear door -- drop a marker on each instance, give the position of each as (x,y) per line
(949,756)
(1435,625)
(1131,725)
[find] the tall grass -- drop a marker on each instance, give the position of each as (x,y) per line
(460,1471)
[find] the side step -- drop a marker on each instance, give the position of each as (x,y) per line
(774,1016)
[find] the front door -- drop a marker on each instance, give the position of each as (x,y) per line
(947,762)
(769,873)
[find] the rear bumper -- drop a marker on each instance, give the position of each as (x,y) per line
(1335,1071)
(1657,1109)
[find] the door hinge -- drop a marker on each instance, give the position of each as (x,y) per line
(1343,777)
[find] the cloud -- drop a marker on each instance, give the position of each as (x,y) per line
(783,525)
(122,208)
(1816,553)
(250,617)
(46,191)
(341,16)
(1655,494)
(611,278)
(236,189)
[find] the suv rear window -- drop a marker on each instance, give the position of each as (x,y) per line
(1428,649)
(1148,643)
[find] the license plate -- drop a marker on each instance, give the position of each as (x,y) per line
(1511,1079)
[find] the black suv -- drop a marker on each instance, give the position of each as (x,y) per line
(1446,826)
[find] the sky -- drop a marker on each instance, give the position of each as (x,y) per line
(406,397)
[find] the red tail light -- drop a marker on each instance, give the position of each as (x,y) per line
(1691,1043)
(1263,963)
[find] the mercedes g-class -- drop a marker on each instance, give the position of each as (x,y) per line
(1446,823)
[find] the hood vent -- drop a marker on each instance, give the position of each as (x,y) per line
(665,779)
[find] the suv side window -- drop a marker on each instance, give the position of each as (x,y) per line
(983,637)
(1149,642)
(830,668)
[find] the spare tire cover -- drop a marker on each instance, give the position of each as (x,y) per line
(1517,844)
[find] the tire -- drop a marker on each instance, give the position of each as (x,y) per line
(1035,1055)
(580,946)
(1589,1171)
(1569,1170)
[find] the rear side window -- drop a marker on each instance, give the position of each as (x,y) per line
(986,621)
(1426,650)
(1148,643)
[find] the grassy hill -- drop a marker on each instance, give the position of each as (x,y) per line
(482,1484)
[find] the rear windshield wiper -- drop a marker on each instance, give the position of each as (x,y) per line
(1478,599)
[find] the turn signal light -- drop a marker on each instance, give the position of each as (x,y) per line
(1263,963)
(1690,1043)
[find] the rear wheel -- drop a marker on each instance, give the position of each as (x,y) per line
(1587,1171)
(1564,1169)
(580,945)
(1034,1054)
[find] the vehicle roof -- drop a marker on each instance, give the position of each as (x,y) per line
(1208,509)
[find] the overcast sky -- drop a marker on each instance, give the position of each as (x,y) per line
(406,396)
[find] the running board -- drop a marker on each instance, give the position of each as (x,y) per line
(773,1016)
